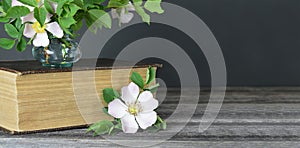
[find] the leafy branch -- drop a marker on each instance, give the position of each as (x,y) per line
(70,14)
(109,94)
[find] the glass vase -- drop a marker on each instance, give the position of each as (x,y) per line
(59,53)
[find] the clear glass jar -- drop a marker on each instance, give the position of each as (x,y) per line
(58,54)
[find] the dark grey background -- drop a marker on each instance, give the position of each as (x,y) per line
(260,40)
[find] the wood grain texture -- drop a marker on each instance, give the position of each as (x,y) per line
(249,117)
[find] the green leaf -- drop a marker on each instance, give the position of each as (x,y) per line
(79,15)
(18,23)
(137,79)
(59,8)
(163,124)
(17,11)
(159,125)
(90,24)
(100,18)
(48,6)
(153,88)
(97,19)
(1,9)
(77,26)
(109,94)
(4,20)
(21,30)
(100,128)
(137,2)
(116,128)
(66,11)
(154,6)
(32,3)
(119,124)
(153,129)
(6,5)
(59,1)
(117,3)
(91,2)
(11,30)
(21,46)
(139,9)
(151,74)
(60,5)
(43,15)
(66,22)
(105,110)
(40,15)
(73,9)
(78,3)
(7,43)
(111,130)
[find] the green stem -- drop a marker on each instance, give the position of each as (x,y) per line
(160,120)
(65,42)
(41,6)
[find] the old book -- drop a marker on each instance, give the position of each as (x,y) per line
(34,98)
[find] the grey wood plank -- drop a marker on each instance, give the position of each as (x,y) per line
(249,117)
(45,142)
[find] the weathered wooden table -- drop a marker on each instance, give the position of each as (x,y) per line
(249,117)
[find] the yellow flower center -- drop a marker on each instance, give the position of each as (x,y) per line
(133,109)
(37,27)
(38,1)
